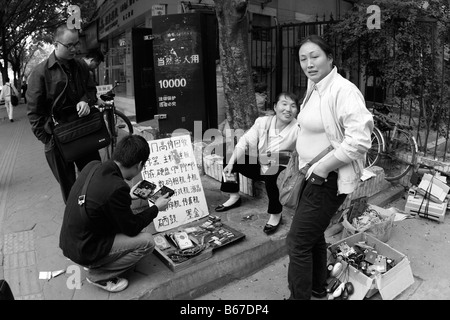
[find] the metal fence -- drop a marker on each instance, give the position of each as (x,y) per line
(274,57)
(276,68)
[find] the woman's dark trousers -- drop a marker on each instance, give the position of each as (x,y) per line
(251,169)
(307,248)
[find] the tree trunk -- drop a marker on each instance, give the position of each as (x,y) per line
(241,109)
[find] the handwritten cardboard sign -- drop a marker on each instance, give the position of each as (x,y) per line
(172,163)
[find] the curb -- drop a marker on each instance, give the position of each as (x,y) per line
(234,263)
(386,196)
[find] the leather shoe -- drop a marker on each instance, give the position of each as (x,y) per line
(221,208)
(268,228)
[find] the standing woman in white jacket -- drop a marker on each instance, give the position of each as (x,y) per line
(7,90)
(333,114)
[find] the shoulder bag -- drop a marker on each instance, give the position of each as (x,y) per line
(292,181)
(14,98)
(79,137)
(82,136)
(82,197)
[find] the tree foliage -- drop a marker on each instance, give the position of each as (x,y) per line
(22,21)
(406,53)
(403,51)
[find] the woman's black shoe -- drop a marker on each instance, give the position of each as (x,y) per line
(222,208)
(268,228)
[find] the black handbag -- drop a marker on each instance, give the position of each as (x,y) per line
(14,98)
(82,136)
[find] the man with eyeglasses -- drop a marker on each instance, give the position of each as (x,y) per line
(60,86)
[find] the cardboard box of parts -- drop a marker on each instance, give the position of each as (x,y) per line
(390,283)
(417,204)
(433,188)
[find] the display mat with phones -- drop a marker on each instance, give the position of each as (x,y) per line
(164,190)
(144,189)
(183,248)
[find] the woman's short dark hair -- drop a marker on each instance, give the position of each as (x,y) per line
(314,38)
(289,95)
(131,150)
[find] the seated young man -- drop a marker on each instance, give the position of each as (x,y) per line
(106,238)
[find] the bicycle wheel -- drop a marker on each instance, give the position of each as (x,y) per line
(118,126)
(399,157)
(374,153)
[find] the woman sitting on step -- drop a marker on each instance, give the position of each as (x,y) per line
(259,156)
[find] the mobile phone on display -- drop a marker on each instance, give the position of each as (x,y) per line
(160,193)
(144,189)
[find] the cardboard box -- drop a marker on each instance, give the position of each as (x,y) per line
(416,204)
(213,166)
(381,230)
(433,187)
(390,284)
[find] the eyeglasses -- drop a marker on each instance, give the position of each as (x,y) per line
(70,46)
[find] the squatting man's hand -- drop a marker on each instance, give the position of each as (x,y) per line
(83,109)
(132,195)
(162,202)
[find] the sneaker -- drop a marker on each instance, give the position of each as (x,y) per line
(11,120)
(111,285)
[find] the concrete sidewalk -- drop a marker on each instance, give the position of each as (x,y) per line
(31,211)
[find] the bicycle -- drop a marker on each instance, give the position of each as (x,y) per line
(394,147)
(117,123)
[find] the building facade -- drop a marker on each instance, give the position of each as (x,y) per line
(117,22)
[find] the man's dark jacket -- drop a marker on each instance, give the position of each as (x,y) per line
(46,85)
(108,209)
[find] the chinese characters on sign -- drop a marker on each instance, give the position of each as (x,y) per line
(172,163)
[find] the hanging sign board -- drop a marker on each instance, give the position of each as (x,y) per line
(172,164)
(103,89)
(159,9)
(179,77)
